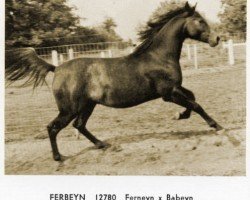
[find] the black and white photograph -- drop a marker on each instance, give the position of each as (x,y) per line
(122,87)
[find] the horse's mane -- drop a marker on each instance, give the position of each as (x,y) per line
(152,28)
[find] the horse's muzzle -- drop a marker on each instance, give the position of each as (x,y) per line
(210,38)
(213,40)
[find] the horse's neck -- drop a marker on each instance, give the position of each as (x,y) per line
(167,46)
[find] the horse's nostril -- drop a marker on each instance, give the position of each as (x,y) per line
(218,38)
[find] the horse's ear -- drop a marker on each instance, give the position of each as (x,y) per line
(194,7)
(189,9)
(187,6)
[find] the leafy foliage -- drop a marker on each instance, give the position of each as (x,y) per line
(29,22)
(48,23)
(107,29)
(233,17)
(109,24)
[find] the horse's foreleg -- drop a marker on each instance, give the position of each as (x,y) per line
(180,97)
(182,115)
(80,125)
(61,121)
(165,88)
(187,112)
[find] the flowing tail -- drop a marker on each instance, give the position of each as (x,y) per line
(25,63)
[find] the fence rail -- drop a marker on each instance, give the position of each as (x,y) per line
(195,55)
(59,54)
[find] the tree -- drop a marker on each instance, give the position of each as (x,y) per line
(81,35)
(233,17)
(107,29)
(35,22)
(50,23)
(109,24)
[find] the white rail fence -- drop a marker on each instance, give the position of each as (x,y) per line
(60,54)
(197,55)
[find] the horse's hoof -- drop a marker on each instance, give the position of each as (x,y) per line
(181,115)
(221,131)
(218,127)
(176,116)
(57,157)
(102,145)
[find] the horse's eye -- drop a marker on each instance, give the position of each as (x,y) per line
(200,21)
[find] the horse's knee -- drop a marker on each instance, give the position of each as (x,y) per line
(49,127)
(52,130)
(55,126)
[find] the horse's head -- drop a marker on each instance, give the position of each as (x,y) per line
(178,24)
(197,28)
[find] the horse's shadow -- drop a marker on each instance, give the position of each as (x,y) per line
(123,139)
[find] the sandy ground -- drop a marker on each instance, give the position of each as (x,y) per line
(145,140)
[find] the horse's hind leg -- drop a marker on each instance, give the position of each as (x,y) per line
(81,121)
(179,97)
(61,121)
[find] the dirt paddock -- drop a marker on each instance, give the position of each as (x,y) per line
(145,140)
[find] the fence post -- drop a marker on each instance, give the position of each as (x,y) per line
(71,54)
(54,57)
(61,58)
(224,45)
(188,52)
(110,53)
(195,57)
(230,48)
(102,54)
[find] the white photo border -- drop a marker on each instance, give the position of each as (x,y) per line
(40,187)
